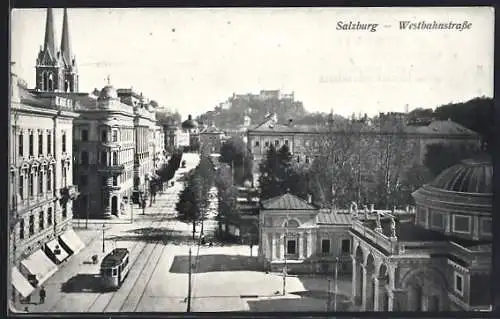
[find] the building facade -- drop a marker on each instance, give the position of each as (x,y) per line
(436,259)
(211,139)
(104,136)
(305,141)
(305,239)
(41,192)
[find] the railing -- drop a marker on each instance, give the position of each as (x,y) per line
(376,237)
(111,167)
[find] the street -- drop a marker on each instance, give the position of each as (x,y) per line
(225,277)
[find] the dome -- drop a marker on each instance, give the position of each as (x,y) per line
(108,92)
(189,123)
(469,176)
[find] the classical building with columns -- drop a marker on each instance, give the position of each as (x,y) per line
(295,233)
(436,259)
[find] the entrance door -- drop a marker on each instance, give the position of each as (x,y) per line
(114,205)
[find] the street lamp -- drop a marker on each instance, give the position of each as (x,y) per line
(103,229)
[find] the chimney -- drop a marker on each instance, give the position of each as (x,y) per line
(372,208)
(309,198)
(189,117)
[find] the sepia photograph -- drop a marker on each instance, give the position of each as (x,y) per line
(190,160)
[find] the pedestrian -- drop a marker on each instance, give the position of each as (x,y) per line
(42,295)
(26,309)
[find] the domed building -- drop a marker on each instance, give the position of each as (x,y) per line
(191,127)
(108,92)
(437,258)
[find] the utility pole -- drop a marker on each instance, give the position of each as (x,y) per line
(189,284)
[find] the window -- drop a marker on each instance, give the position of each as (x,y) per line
(41,223)
(115,158)
(32,225)
(266,144)
(286,142)
(422,215)
(461,224)
(21,229)
(277,142)
(64,211)
(64,176)
(104,136)
(115,136)
(83,180)
(437,219)
(257,143)
(85,135)
(298,158)
(325,246)
(49,180)
(49,143)
(307,159)
(40,182)
(63,143)
(40,144)
(486,226)
(31,186)
(459,283)
(49,216)
(346,246)
(30,144)
(306,143)
(103,158)
(291,247)
(115,181)
(21,186)
(84,158)
(21,140)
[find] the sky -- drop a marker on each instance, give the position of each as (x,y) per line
(190,60)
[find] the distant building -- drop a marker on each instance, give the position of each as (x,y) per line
(295,233)
(437,259)
(211,139)
(303,140)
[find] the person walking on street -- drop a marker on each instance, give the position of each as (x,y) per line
(42,295)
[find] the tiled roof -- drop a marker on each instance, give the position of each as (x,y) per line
(333,218)
(287,201)
(433,128)
(211,130)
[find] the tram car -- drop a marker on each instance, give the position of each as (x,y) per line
(114,268)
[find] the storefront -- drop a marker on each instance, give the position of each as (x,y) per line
(56,252)
(37,268)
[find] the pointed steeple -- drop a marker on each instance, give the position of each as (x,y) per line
(65,41)
(49,44)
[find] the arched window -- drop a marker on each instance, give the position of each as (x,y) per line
(45,81)
(51,82)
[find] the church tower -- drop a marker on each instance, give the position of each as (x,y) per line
(69,61)
(56,70)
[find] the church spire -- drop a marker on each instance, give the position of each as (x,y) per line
(49,44)
(65,41)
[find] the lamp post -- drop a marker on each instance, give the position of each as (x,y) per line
(285,251)
(103,229)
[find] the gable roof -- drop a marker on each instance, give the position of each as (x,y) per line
(334,218)
(286,201)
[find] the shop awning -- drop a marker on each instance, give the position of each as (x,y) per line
(38,265)
(59,253)
(71,239)
(20,283)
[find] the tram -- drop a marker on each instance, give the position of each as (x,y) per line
(114,268)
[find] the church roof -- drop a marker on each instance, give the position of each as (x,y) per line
(286,201)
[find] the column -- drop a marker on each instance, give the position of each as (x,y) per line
(301,246)
(310,251)
(272,252)
(363,293)
(390,299)
(376,293)
(390,287)
(282,247)
(354,274)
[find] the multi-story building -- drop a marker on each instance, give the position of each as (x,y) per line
(144,124)
(437,259)
(159,153)
(211,139)
(303,141)
(104,135)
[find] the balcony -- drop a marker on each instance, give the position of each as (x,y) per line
(113,168)
(386,243)
(69,192)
